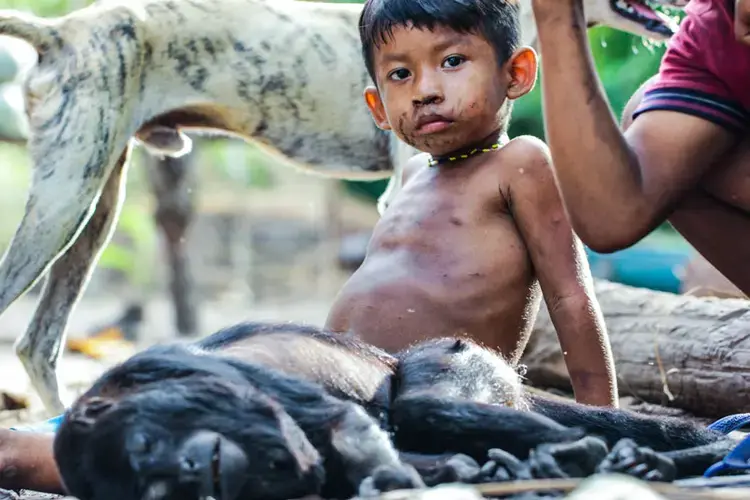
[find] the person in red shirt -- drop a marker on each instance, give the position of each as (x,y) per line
(684,154)
(705,70)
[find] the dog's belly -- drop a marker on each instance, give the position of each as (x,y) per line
(292,81)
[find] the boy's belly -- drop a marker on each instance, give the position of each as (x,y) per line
(392,304)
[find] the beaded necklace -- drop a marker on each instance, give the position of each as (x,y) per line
(462,156)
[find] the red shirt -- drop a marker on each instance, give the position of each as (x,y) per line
(705,72)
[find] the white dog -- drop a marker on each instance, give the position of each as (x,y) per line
(286,73)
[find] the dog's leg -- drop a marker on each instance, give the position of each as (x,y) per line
(39,349)
(172,182)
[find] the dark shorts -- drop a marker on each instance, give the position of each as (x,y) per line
(705,72)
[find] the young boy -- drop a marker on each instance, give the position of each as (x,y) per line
(478,228)
(685,156)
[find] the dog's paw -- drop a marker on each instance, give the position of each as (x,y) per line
(457,469)
(560,460)
(388,478)
(644,463)
(502,466)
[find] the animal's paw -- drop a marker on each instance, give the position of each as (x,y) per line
(627,457)
(561,460)
(388,478)
(457,469)
(502,466)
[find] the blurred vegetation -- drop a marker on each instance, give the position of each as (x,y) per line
(623,62)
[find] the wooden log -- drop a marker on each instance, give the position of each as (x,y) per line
(679,351)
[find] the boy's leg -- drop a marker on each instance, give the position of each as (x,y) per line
(715,218)
(719,231)
(27,462)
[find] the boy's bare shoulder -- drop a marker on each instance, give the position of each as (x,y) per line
(531,183)
(527,161)
(529,152)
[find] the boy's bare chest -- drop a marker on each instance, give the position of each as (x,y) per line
(457,210)
(450,198)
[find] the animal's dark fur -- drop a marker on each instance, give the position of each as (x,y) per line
(283,405)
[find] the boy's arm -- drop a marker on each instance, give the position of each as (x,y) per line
(616,188)
(27,462)
(562,270)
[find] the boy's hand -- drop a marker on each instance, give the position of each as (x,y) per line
(544,9)
(27,462)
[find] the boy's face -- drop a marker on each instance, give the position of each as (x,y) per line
(441,91)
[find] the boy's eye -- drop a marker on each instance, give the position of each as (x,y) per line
(399,74)
(452,61)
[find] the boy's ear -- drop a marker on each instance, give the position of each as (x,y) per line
(523,68)
(377,110)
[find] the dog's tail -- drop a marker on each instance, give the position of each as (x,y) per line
(35,30)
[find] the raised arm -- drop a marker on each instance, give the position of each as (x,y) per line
(616,187)
(564,277)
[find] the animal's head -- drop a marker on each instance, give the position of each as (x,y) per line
(638,17)
(187,438)
(491,378)
(634,16)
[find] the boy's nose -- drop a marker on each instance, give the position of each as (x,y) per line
(428,89)
(424,100)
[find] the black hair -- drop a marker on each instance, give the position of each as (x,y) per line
(496,20)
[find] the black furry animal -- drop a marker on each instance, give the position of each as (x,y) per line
(277,411)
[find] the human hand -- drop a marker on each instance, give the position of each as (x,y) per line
(553,11)
(742,21)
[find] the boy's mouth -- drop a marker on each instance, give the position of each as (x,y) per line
(644,14)
(431,124)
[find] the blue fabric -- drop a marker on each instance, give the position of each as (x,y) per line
(739,457)
(47,427)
